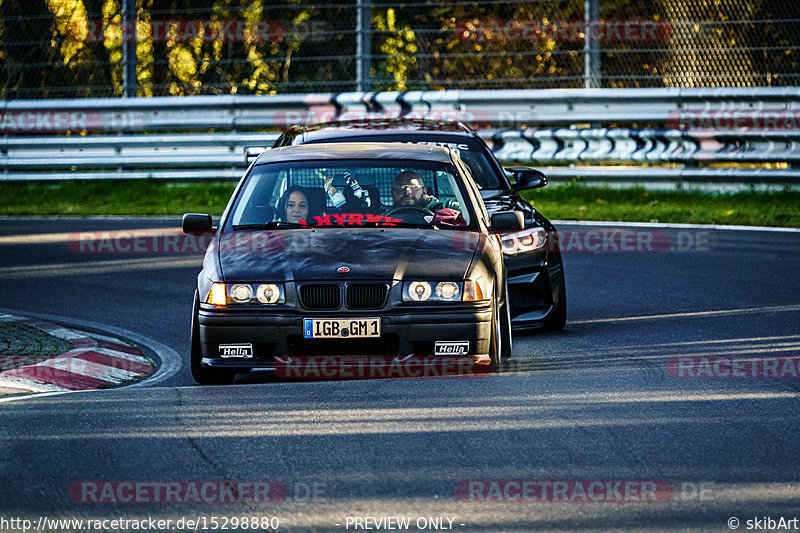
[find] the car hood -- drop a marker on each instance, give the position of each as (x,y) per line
(369,253)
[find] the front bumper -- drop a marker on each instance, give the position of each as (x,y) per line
(533,288)
(277,337)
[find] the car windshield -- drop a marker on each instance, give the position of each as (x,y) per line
(331,193)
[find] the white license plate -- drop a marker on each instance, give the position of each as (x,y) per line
(341,328)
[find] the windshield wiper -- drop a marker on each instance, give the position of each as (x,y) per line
(269,225)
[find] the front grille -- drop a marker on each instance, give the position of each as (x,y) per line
(366,295)
(320,296)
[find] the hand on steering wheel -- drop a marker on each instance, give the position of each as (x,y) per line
(413,210)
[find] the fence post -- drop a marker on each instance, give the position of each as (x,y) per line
(591,46)
(129,39)
(363,45)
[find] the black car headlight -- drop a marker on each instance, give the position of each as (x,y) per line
(524,241)
(442,291)
(246,293)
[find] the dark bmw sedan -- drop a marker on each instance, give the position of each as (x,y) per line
(361,254)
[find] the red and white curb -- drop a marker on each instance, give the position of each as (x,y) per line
(95,361)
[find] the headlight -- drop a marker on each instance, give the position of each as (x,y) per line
(269,294)
(448,291)
(246,293)
(417,291)
(241,294)
(442,291)
(523,241)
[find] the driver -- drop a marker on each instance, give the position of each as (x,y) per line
(409,190)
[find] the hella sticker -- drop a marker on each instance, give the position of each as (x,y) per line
(451,348)
(236,350)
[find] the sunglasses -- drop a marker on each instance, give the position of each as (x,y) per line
(407,188)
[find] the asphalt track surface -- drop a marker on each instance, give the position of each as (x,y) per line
(596,402)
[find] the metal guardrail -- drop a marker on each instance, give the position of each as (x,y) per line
(673,135)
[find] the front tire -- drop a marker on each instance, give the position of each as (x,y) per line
(495,341)
(505,330)
(203,375)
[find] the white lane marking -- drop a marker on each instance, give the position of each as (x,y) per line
(36,395)
(100,267)
(750,310)
(54,238)
(674,225)
(749,340)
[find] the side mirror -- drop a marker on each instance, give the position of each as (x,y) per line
(527,178)
(252,152)
(507,221)
(196,223)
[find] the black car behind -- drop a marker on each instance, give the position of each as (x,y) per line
(536,283)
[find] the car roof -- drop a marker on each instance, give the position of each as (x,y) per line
(360,128)
(383,124)
(322,135)
(361,150)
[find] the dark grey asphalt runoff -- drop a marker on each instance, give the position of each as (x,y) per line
(594,402)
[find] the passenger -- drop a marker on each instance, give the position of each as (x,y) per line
(295,206)
(408,189)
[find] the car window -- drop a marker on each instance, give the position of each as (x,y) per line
(354,193)
(478,164)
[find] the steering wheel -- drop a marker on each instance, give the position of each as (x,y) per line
(410,213)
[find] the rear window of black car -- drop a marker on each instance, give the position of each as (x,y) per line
(472,152)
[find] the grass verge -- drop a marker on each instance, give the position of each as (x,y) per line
(571,201)
(22,345)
